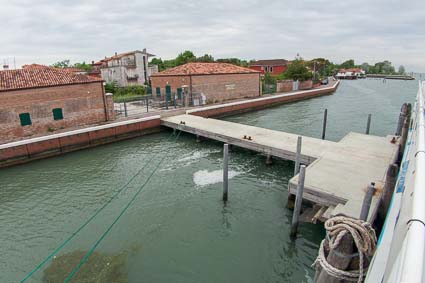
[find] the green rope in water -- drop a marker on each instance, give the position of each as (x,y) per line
(87,255)
(66,241)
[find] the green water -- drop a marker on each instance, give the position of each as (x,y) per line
(178,229)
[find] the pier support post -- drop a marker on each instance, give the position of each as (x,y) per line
(225,171)
(147,104)
(298,156)
(269,160)
(125,109)
(367,200)
(325,119)
(402,116)
(198,138)
(298,202)
(388,190)
(369,118)
(403,139)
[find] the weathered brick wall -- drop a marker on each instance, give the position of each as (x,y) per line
(284,86)
(305,85)
(82,104)
(215,87)
(110,106)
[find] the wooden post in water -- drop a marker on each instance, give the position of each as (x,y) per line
(298,156)
(369,118)
(403,139)
(402,116)
(325,118)
(387,192)
(367,200)
(225,171)
(298,202)
(269,160)
(125,109)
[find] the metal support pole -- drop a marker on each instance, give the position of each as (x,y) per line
(369,117)
(298,202)
(325,118)
(367,200)
(298,156)
(175,105)
(166,101)
(125,109)
(225,171)
(147,104)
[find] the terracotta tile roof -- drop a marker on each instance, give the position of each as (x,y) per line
(32,76)
(204,69)
(271,62)
(118,56)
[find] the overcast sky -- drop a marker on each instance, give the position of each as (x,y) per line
(35,31)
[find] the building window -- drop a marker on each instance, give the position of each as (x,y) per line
(25,119)
(271,69)
(57,114)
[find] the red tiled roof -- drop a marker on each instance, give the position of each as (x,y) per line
(204,69)
(32,76)
(271,62)
(118,56)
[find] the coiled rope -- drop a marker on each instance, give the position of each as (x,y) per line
(67,240)
(364,239)
(94,246)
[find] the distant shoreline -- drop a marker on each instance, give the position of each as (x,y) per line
(391,77)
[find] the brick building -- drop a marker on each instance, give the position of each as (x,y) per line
(273,67)
(214,81)
(37,99)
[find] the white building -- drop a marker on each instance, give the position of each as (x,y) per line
(126,69)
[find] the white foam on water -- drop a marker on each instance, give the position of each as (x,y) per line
(205,177)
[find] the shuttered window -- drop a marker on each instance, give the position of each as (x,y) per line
(25,119)
(57,114)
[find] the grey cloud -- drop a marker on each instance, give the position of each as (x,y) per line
(46,31)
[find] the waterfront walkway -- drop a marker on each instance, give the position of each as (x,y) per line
(339,173)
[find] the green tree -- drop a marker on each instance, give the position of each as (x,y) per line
(347,64)
(207,58)
(401,70)
(297,70)
(84,66)
(234,61)
(61,64)
(185,57)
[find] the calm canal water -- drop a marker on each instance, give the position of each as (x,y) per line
(177,229)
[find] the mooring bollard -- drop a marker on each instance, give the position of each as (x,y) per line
(125,109)
(225,171)
(401,117)
(298,156)
(325,118)
(298,202)
(367,200)
(369,118)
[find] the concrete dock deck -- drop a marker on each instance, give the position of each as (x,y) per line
(338,174)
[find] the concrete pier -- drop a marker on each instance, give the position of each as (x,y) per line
(338,173)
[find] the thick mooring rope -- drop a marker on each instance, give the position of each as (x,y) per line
(364,238)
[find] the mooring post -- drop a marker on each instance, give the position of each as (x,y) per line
(403,139)
(367,200)
(401,117)
(387,192)
(269,160)
(225,171)
(325,118)
(298,156)
(198,138)
(369,118)
(125,109)
(298,202)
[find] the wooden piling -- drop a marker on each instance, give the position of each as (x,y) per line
(298,156)
(125,109)
(298,202)
(387,192)
(402,116)
(403,139)
(147,104)
(269,160)
(198,138)
(369,118)
(367,200)
(225,171)
(325,119)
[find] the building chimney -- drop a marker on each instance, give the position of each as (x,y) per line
(5,67)
(92,62)
(116,53)
(144,50)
